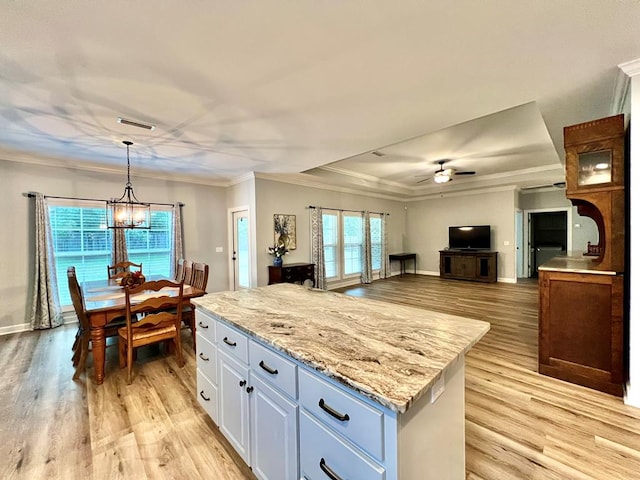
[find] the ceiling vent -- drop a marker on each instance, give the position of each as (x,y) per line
(124,121)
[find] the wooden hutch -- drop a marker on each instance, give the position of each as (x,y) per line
(581,312)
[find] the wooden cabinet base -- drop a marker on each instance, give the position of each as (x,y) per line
(581,334)
(292,273)
(478,266)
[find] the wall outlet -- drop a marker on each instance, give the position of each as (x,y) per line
(219,250)
(506,243)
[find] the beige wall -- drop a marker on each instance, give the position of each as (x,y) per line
(276,197)
(428,224)
(204,220)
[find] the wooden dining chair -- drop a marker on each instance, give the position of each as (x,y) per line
(198,280)
(121,268)
(188,272)
(82,343)
(161,321)
(179,276)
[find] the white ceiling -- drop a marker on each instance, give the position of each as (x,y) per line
(283,87)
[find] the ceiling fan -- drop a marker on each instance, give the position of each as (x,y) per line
(443,175)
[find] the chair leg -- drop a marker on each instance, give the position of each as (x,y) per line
(122,357)
(129,363)
(178,344)
(82,362)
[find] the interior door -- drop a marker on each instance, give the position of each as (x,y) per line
(240,254)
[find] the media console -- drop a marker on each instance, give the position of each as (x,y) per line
(475,265)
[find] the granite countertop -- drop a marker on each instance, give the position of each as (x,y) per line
(390,353)
(574,264)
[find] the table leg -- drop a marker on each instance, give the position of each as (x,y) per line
(98,345)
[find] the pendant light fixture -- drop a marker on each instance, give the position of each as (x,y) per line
(128,211)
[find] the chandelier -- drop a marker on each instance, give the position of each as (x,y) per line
(127,211)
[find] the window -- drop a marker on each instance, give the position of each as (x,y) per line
(344,243)
(352,243)
(330,242)
(152,247)
(81,239)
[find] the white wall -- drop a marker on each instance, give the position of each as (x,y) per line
(274,197)
(204,221)
(428,223)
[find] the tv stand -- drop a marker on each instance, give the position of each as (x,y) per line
(475,265)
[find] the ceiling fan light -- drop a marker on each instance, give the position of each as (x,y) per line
(441,177)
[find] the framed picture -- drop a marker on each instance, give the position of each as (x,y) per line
(284,229)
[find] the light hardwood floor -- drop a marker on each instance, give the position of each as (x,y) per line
(519,424)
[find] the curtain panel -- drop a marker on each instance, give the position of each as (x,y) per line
(177,240)
(118,246)
(367,273)
(45,310)
(317,247)
(384,261)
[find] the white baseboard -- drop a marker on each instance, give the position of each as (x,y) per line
(632,396)
(69,318)
(22,327)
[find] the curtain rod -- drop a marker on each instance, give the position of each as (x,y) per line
(31,195)
(347,210)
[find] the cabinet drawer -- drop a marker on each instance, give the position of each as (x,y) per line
(207,395)
(360,423)
(322,452)
(206,357)
(233,342)
(273,368)
(205,325)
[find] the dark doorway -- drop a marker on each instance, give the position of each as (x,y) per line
(547,237)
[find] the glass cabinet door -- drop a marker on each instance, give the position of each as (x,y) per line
(594,168)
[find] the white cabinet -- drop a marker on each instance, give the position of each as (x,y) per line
(274,432)
(256,391)
(323,454)
(207,365)
(234,403)
(288,421)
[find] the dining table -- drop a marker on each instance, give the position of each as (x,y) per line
(105,302)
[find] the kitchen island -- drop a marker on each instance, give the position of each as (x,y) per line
(312,384)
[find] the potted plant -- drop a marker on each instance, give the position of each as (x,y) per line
(278,251)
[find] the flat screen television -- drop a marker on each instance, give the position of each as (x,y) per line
(470,237)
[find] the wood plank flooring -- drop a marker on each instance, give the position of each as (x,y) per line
(519,424)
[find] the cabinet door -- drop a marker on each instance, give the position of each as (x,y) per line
(464,266)
(234,403)
(274,433)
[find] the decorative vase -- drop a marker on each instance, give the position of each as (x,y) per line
(277,261)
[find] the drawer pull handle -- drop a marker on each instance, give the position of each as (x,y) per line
(332,412)
(203,325)
(267,368)
(330,473)
(231,344)
(243,383)
(206,359)
(249,389)
(202,395)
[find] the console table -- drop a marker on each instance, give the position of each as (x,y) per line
(402,258)
(479,266)
(292,273)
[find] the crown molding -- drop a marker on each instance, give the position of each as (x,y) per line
(631,68)
(27,158)
(303,180)
(464,193)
